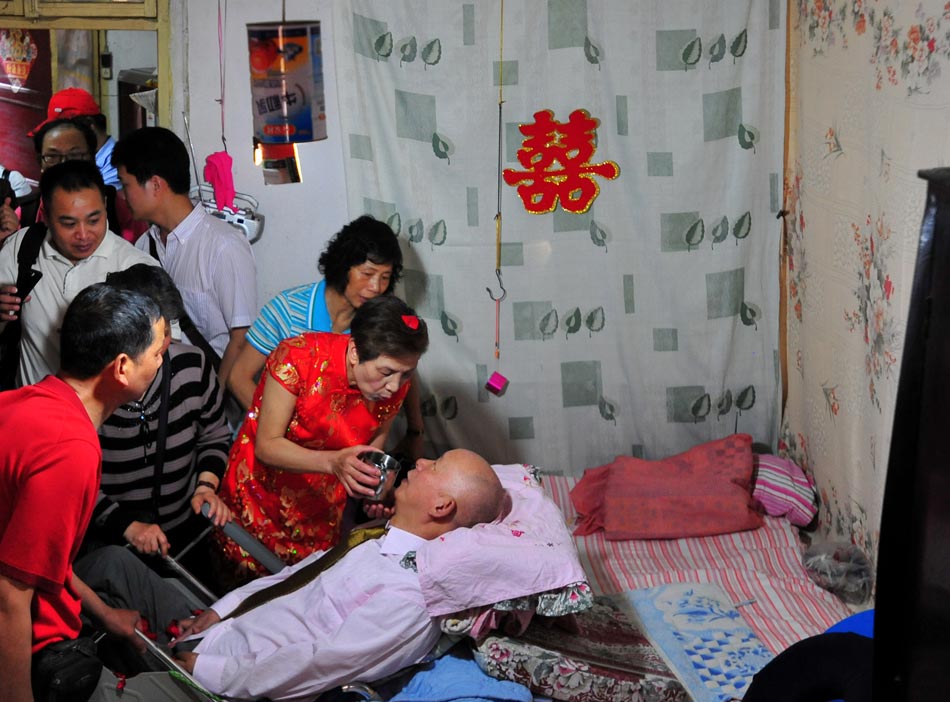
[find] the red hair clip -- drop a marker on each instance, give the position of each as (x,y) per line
(411,321)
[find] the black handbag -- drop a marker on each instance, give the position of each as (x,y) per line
(66,671)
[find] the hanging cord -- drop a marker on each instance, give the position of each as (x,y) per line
(194,161)
(504,293)
(222,63)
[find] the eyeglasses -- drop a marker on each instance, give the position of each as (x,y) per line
(53,159)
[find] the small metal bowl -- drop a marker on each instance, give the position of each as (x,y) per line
(388,468)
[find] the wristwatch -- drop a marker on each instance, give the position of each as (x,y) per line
(410,431)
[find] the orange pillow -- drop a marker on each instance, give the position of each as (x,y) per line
(704,491)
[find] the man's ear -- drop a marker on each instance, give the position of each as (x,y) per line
(120,369)
(444,507)
(157,184)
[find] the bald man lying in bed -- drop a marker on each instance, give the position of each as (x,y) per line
(363,618)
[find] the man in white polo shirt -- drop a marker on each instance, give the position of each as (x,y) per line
(77,250)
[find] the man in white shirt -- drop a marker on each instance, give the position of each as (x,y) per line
(77,251)
(209,260)
(363,618)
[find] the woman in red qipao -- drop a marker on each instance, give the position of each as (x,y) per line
(322,400)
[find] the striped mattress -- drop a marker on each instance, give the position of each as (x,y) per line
(761,570)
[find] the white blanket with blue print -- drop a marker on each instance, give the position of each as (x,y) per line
(702,636)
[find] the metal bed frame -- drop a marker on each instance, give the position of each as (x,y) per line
(175,684)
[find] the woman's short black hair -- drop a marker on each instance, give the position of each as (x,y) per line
(102,322)
(153,281)
(363,239)
(387,326)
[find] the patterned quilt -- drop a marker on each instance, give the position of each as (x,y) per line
(703,638)
(760,568)
(605,658)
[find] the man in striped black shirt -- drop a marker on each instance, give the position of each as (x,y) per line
(153,486)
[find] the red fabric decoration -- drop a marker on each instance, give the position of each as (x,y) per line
(704,491)
(411,321)
(556,158)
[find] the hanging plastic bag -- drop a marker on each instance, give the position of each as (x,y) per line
(843,569)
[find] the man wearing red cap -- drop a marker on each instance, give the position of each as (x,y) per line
(79,104)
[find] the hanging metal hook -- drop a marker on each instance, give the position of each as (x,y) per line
(504,293)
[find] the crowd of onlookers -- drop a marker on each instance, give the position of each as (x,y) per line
(139,383)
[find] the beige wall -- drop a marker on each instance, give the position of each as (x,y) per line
(300,217)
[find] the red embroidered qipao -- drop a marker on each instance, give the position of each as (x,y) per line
(295,514)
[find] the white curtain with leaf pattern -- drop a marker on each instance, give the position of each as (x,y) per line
(641,322)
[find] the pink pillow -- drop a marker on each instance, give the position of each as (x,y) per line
(588,498)
(783,489)
(704,491)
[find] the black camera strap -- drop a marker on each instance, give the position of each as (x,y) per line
(10,336)
(162,435)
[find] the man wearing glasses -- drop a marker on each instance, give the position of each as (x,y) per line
(76,251)
(59,140)
(54,141)
(79,105)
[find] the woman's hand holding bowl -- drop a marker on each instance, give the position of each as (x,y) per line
(359,479)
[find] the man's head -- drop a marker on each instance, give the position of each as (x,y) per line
(116,334)
(62,140)
(153,152)
(457,490)
(98,124)
(154,282)
(362,260)
(68,103)
(74,203)
(153,169)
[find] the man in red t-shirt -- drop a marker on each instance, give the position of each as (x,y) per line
(112,344)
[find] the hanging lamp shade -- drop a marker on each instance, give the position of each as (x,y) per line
(287,97)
